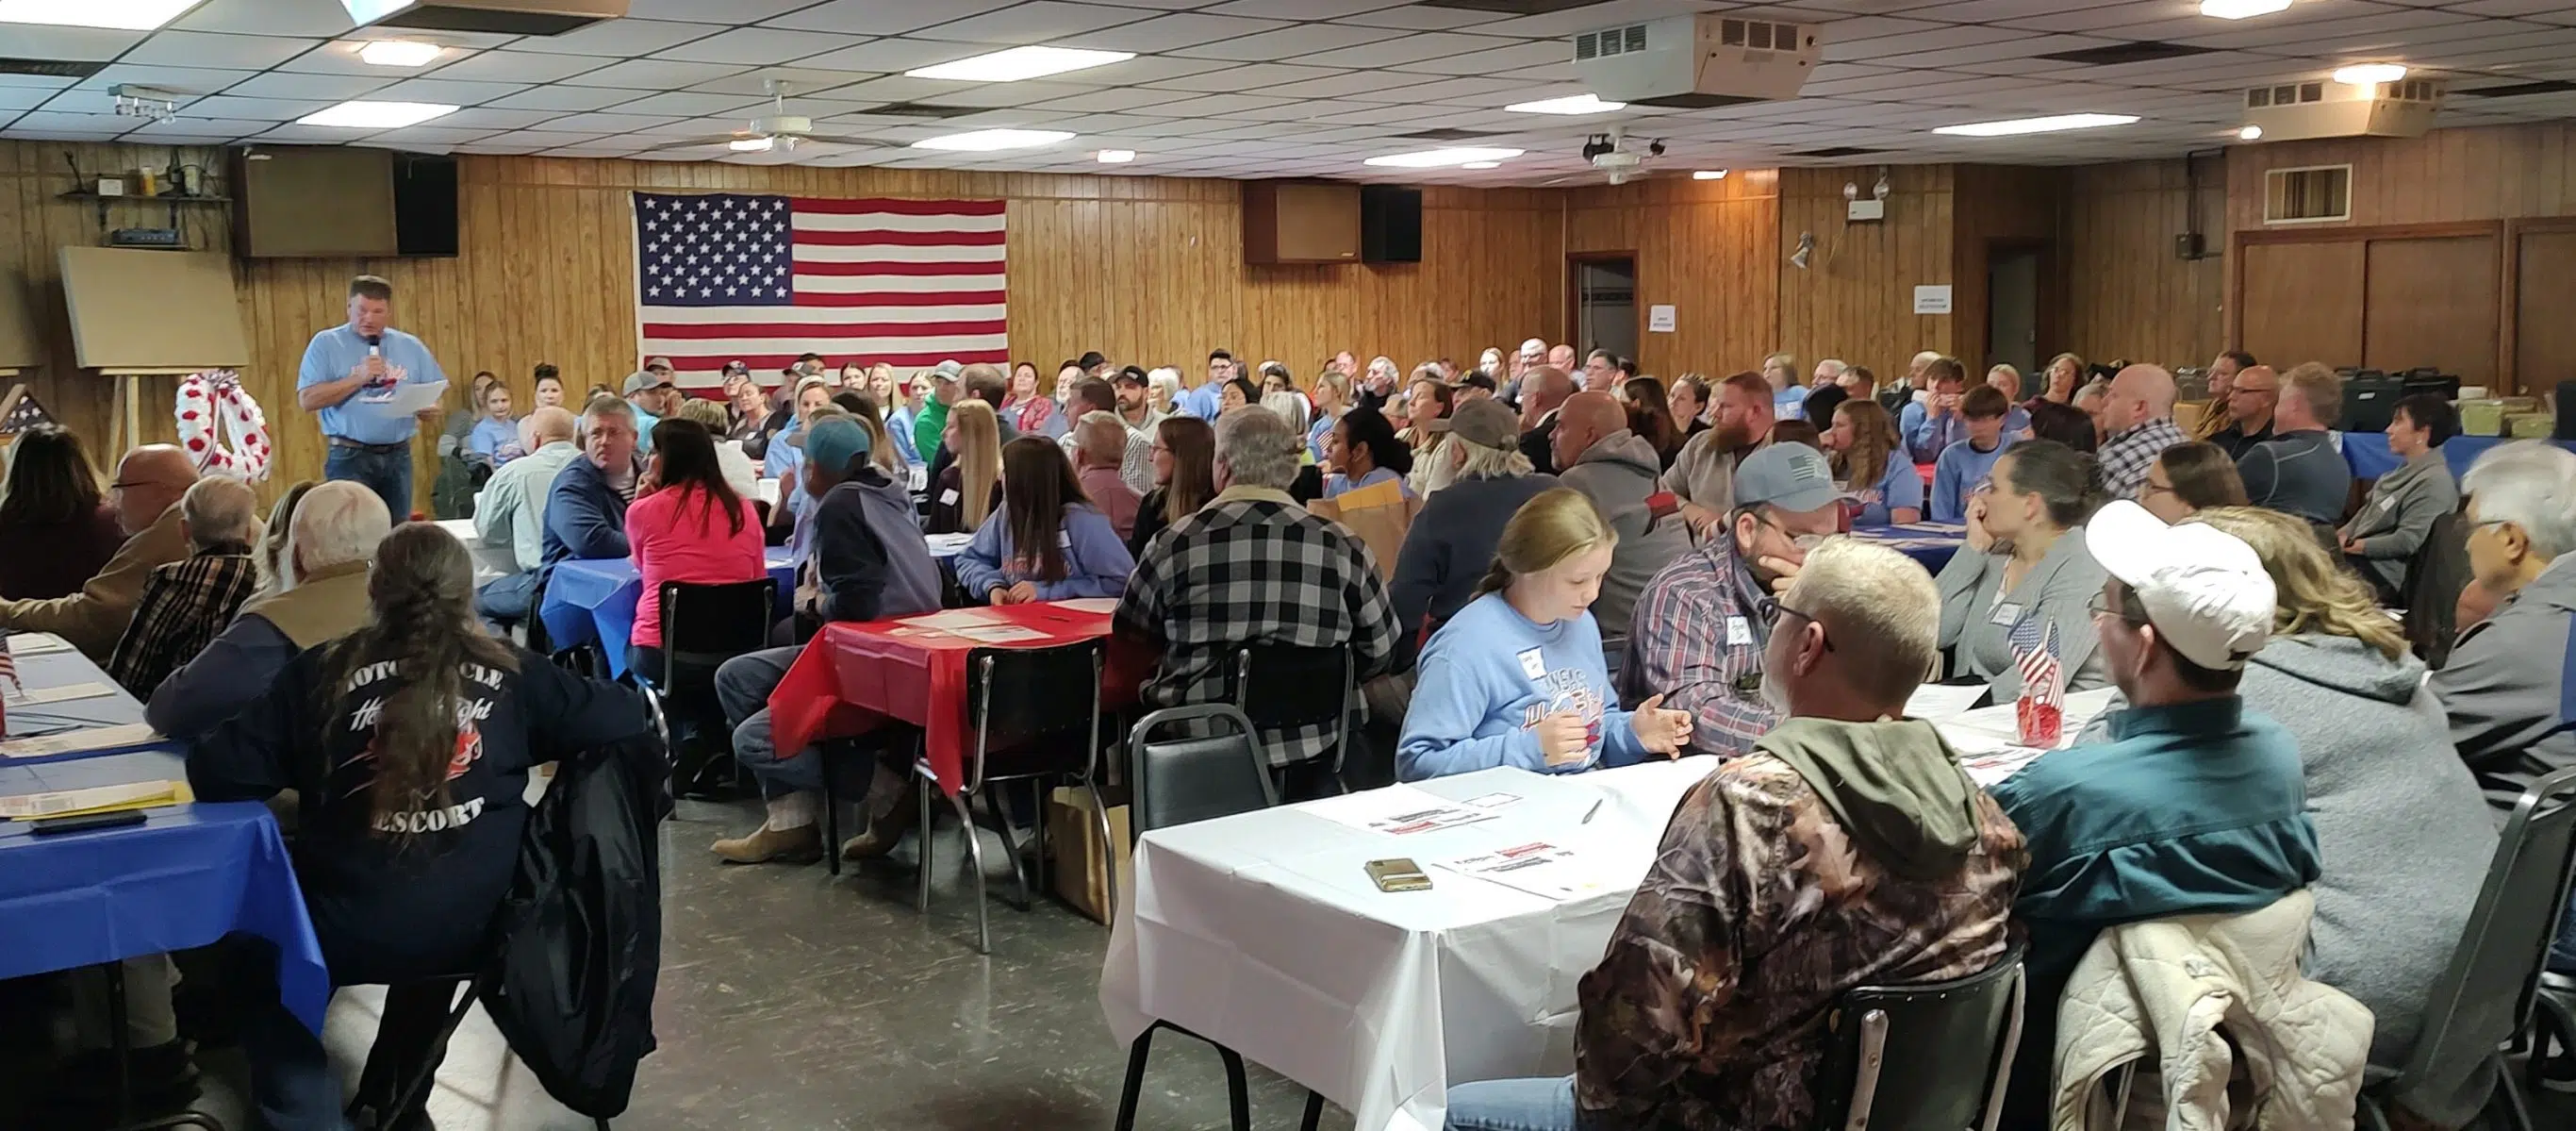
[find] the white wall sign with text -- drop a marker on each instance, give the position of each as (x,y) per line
(1659,318)
(1932,300)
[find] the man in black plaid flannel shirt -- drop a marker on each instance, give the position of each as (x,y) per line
(186,602)
(1253,567)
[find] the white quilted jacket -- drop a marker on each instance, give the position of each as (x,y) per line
(2238,1037)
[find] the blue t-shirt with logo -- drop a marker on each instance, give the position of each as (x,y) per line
(368,415)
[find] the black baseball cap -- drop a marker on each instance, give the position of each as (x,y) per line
(1131,375)
(732,367)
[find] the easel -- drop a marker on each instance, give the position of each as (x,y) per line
(128,413)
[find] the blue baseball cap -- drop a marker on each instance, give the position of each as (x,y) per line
(833,442)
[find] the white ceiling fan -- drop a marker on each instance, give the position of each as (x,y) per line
(780,131)
(1614,160)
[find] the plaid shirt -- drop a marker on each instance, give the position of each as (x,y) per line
(184,604)
(2126,457)
(1697,638)
(1252,567)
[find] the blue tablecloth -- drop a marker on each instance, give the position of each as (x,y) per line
(593,601)
(187,876)
(1931,543)
(2370,458)
(70,668)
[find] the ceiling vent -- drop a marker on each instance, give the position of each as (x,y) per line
(493,17)
(2519,89)
(2302,110)
(1447,135)
(1838,151)
(1512,7)
(1697,62)
(51,68)
(2138,51)
(926,110)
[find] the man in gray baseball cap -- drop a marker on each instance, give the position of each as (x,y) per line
(1701,624)
(1476,483)
(652,395)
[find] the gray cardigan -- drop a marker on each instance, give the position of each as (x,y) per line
(2061,587)
(2398,516)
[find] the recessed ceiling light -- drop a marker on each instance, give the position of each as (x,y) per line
(751,144)
(1441,158)
(399,53)
(2369,74)
(2037,125)
(1572,104)
(1116,156)
(2250,133)
(980,141)
(122,15)
(2241,9)
(362,114)
(1708,174)
(1020,63)
(1482,165)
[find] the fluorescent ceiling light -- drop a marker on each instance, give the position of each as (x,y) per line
(1573,104)
(122,15)
(2241,9)
(1482,165)
(751,144)
(2369,74)
(2250,133)
(1116,156)
(362,114)
(981,141)
(1020,63)
(1708,175)
(399,53)
(1441,158)
(2037,125)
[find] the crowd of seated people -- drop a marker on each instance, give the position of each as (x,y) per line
(2225,588)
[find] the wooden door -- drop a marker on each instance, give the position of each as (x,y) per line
(2303,302)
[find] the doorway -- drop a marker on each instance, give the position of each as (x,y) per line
(1604,289)
(2012,314)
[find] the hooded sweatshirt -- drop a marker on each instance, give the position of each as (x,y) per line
(1617,473)
(1895,786)
(869,560)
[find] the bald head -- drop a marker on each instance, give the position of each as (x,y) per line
(1543,388)
(1585,419)
(2139,393)
(548,425)
(149,481)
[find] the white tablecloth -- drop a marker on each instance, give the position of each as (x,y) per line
(1264,932)
(489,561)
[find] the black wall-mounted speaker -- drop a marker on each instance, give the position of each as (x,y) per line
(1390,224)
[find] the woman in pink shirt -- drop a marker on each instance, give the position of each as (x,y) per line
(685,525)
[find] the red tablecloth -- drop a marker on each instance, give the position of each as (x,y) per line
(852,677)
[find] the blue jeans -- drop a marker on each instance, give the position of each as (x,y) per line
(509,598)
(387,473)
(743,685)
(1543,1104)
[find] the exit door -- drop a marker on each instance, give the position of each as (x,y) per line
(2012,315)
(1605,304)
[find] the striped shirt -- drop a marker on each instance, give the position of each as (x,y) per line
(1696,638)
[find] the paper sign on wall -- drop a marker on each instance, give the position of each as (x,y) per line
(1932,300)
(1659,318)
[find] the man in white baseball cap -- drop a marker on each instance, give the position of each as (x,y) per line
(2194,804)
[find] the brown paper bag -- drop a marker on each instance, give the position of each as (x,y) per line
(1379,514)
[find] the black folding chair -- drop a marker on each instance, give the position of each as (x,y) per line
(702,627)
(1284,687)
(1210,766)
(1614,659)
(2487,994)
(1930,1057)
(1036,715)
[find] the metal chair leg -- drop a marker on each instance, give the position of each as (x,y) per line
(1314,1111)
(1001,818)
(922,787)
(831,814)
(1142,1047)
(2517,1110)
(975,862)
(1100,826)
(1238,1095)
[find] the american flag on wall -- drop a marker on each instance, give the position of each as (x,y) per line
(762,279)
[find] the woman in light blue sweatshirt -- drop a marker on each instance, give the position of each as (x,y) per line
(1967,463)
(1516,678)
(1077,553)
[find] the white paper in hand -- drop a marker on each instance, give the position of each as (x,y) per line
(417,396)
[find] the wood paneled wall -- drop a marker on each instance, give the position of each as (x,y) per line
(1998,209)
(1142,268)
(1709,249)
(2128,295)
(1855,298)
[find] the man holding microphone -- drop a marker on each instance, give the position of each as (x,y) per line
(349,377)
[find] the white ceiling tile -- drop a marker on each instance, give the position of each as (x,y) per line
(1530,54)
(21,98)
(185,80)
(1142,69)
(712,11)
(1415,18)
(759,46)
(1217,105)
(518,66)
(457,92)
(1481,90)
(998,93)
(621,38)
(1037,21)
(1120,98)
(1404,49)
(1247,76)
(256,109)
(609,122)
(184,129)
(882,17)
(323,18)
(887,55)
(1289,42)
(56,121)
(568,98)
(1163,33)
(896,88)
(489,117)
(800,81)
(427,135)
(653,74)
(1305,9)
(692,104)
(288,84)
(214,49)
(320,135)
(1572,20)
(72,43)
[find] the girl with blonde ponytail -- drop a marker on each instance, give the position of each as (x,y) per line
(408,743)
(1516,678)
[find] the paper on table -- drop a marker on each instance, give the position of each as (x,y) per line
(414,396)
(97,799)
(953,619)
(1549,871)
(1090,604)
(36,696)
(1995,765)
(998,634)
(86,738)
(1935,702)
(1400,810)
(36,644)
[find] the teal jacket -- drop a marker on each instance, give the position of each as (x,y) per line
(2196,808)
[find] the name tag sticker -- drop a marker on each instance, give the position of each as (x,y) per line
(948,498)
(1533,665)
(1064,540)
(2006,614)
(1739,631)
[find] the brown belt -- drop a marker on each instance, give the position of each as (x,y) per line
(345,442)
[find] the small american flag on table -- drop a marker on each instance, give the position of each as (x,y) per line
(2041,710)
(762,279)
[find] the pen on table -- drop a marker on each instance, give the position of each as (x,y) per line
(1588,814)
